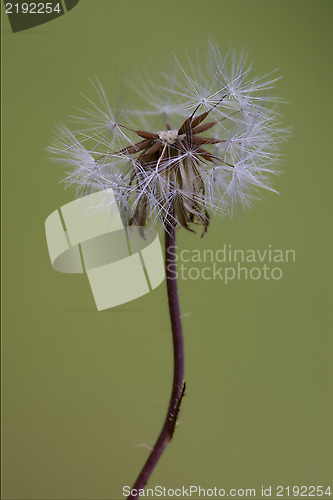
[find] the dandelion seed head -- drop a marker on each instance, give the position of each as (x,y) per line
(217,146)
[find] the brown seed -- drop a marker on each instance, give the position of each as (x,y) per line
(203,127)
(205,140)
(154,148)
(146,135)
(135,148)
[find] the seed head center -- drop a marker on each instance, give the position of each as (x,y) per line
(168,136)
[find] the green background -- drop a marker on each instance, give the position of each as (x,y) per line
(82,390)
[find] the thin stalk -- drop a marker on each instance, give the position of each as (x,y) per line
(178,386)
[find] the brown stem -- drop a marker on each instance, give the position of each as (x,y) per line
(178,387)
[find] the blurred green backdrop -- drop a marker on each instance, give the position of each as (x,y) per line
(82,390)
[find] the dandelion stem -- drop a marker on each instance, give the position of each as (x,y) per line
(178,387)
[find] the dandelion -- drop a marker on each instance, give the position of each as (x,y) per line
(206,141)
